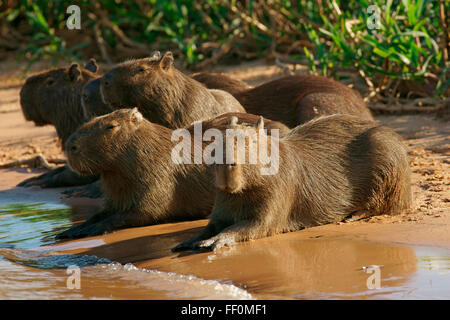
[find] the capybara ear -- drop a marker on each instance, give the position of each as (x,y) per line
(92,65)
(166,61)
(74,72)
(136,116)
(156,54)
(233,121)
(260,123)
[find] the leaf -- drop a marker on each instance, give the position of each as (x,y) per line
(12,16)
(381,53)
(40,19)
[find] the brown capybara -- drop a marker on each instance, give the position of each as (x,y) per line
(221,81)
(91,99)
(163,94)
(292,100)
(330,168)
(92,102)
(142,184)
(94,106)
(53,97)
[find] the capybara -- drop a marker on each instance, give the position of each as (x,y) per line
(92,102)
(91,99)
(94,106)
(58,97)
(221,81)
(292,100)
(53,97)
(330,168)
(142,184)
(163,94)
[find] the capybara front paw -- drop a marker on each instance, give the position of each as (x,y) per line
(83,231)
(35,181)
(68,234)
(72,233)
(186,245)
(213,243)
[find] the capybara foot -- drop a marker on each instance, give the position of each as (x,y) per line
(35,181)
(93,191)
(60,177)
(210,244)
(213,243)
(43,180)
(82,231)
(71,233)
(185,245)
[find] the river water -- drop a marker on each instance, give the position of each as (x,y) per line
(288,269)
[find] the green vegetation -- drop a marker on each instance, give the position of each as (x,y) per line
(411,41)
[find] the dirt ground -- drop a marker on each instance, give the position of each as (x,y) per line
(428,139)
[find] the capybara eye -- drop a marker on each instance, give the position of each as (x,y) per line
(111,126)
(49,82)
(140,69)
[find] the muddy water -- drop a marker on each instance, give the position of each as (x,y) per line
(138,264)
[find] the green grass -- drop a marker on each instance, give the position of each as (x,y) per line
(333,35)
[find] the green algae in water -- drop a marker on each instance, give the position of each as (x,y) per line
(26,226)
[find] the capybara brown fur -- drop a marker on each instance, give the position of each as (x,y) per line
(221,81)
(330,168)
(91,98)
(142,184)
(292,100)
(94,106)
(53,97)
(163,94)
(92,102)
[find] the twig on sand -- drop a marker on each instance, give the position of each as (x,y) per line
(101,44)
(226,47)
(412,106)
(283,67)
(250,20)
(104,20)
(36,162)
(445,33)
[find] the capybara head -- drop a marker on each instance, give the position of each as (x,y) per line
(100,142)
(53,97)
(92,101)
(134,81)
(240,155)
